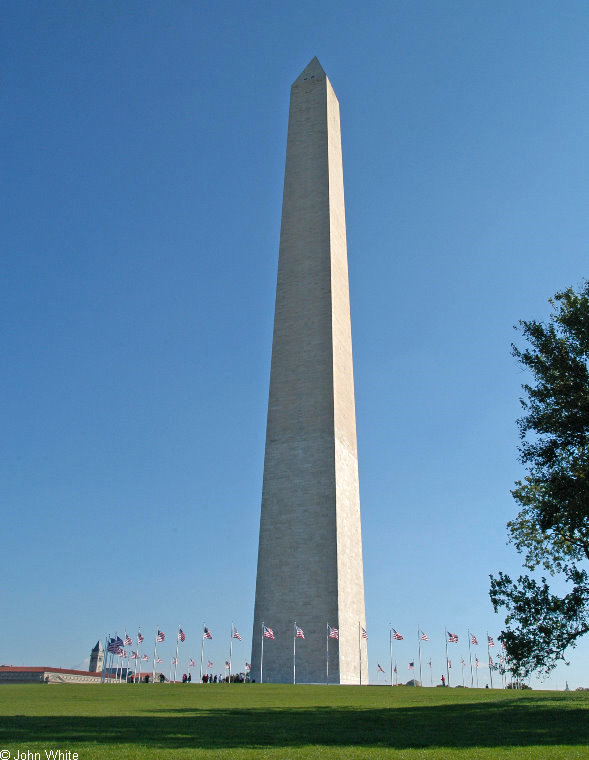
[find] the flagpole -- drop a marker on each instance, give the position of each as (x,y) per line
(391,650)
(396,673)
(121,661)
(127,670)
(360,652)
(262,657)
(294,653)
(177,645)
(202,649)
(431,674)
(447,667)
(503,669)
(230,651)
(489,660)
(419,645)
(137,660)
(157,628)
(118,663)
(102,675)
(327,653)
(105,662)
(112,659)
(140,665)
(462,661)
(108,660)
(470,658)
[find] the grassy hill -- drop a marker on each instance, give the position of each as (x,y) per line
(222,721)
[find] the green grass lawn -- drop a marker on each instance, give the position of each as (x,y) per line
(221,721)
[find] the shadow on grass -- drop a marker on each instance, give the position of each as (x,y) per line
(481,725)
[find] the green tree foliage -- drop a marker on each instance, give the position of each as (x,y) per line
(551,530)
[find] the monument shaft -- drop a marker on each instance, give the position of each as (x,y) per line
(310,550)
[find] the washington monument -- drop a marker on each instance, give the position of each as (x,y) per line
(310,550)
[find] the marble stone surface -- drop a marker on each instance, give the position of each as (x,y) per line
(310,551)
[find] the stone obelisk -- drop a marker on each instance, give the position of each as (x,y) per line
(310,551)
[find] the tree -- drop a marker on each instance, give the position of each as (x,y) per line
(551,530)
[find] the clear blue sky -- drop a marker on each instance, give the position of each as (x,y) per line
(142,151)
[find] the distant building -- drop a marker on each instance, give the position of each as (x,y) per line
(28,674)
(96,658)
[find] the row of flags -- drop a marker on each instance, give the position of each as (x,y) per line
(117,643)
(117,646)
(332,633)
(453,638)
(462,662)
(450,638)
(299,633)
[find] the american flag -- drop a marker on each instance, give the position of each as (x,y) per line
(452,638)
(474,639)
(491,665)
(159,659)
(364,634)
(207,634)
(160,636)
(191,663)
(395,669)
(503,646)
(449,663)
(181,635)
(122,653)
(174,660)
(333,632)
(140,638)
(380,669)
(490,641)
(209,664)
(462,661)
(115,645)
(476,660)
(300,632)
(145,658)
(248,666)
(268,633)
(236,634)
(397,636)
(424,636)
(134,656)
(411,665)
(227,664)
(430,662)
(128,640)
(501,659)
